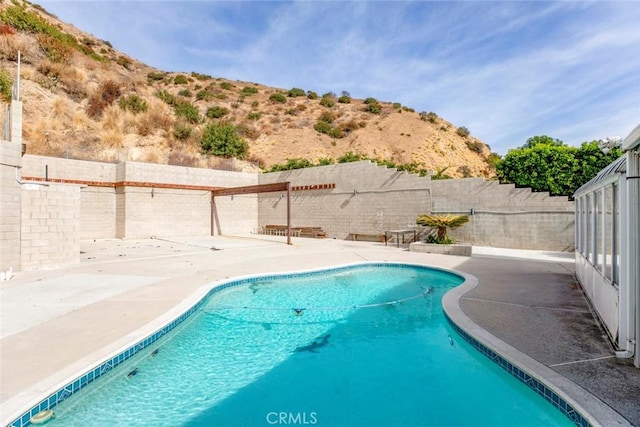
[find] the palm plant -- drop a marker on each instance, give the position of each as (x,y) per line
(441,223)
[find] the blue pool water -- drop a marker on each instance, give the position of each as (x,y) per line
(364,346)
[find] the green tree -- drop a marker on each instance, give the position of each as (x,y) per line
(541,139)
(589,160)
(546,164)
(222,139)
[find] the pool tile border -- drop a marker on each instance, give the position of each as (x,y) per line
(105,367)
(526,378)
(559,391)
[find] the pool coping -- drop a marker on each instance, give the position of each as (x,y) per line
(75,377)
(558,390)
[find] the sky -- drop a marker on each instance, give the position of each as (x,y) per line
(506,71)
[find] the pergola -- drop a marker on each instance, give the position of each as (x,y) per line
(255,189)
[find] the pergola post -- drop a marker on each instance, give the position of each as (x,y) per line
(288,213)
(255,189)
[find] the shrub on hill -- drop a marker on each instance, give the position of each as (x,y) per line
(222,139)
(54,49)
(430,117)
(323,127)
(246,130)
(440,174)
(216,112)
(463,131)
(297,163)
(373,107)
(154,77)
(295,92)
(327,101)
(167,97)
(204,95)
(182,131)
(475,146)
(323,161)
(249,90)
(180,80)
(278,98)
(201,76)
(133,103)
(5,85)
(188,111)
(104,96)
(350,156)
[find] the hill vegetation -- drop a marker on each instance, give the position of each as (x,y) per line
(84,99)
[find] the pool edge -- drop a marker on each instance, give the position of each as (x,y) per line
(75,377)
(549,384)
(569,392)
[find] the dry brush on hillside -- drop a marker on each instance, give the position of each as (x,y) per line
(83,99)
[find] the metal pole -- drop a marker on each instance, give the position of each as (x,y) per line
(288,213)
(18,79)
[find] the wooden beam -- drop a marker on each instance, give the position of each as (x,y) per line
(252,189)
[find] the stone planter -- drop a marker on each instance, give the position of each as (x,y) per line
(433,248)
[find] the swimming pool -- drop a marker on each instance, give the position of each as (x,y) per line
(358,345)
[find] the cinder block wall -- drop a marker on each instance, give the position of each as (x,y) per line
(145,212)
(506,216)
(134,211)
(10,153)
(366,199)
(50,225)
(385,199)
(97,204)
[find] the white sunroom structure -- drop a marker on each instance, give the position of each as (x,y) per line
(608,246)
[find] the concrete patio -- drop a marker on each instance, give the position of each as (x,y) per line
(55,323)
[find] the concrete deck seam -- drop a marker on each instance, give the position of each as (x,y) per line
(526,306)
(599,413)
(582,361)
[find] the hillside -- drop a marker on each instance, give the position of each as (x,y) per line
(83,99)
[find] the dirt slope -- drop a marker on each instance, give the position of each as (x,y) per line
(77,91)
